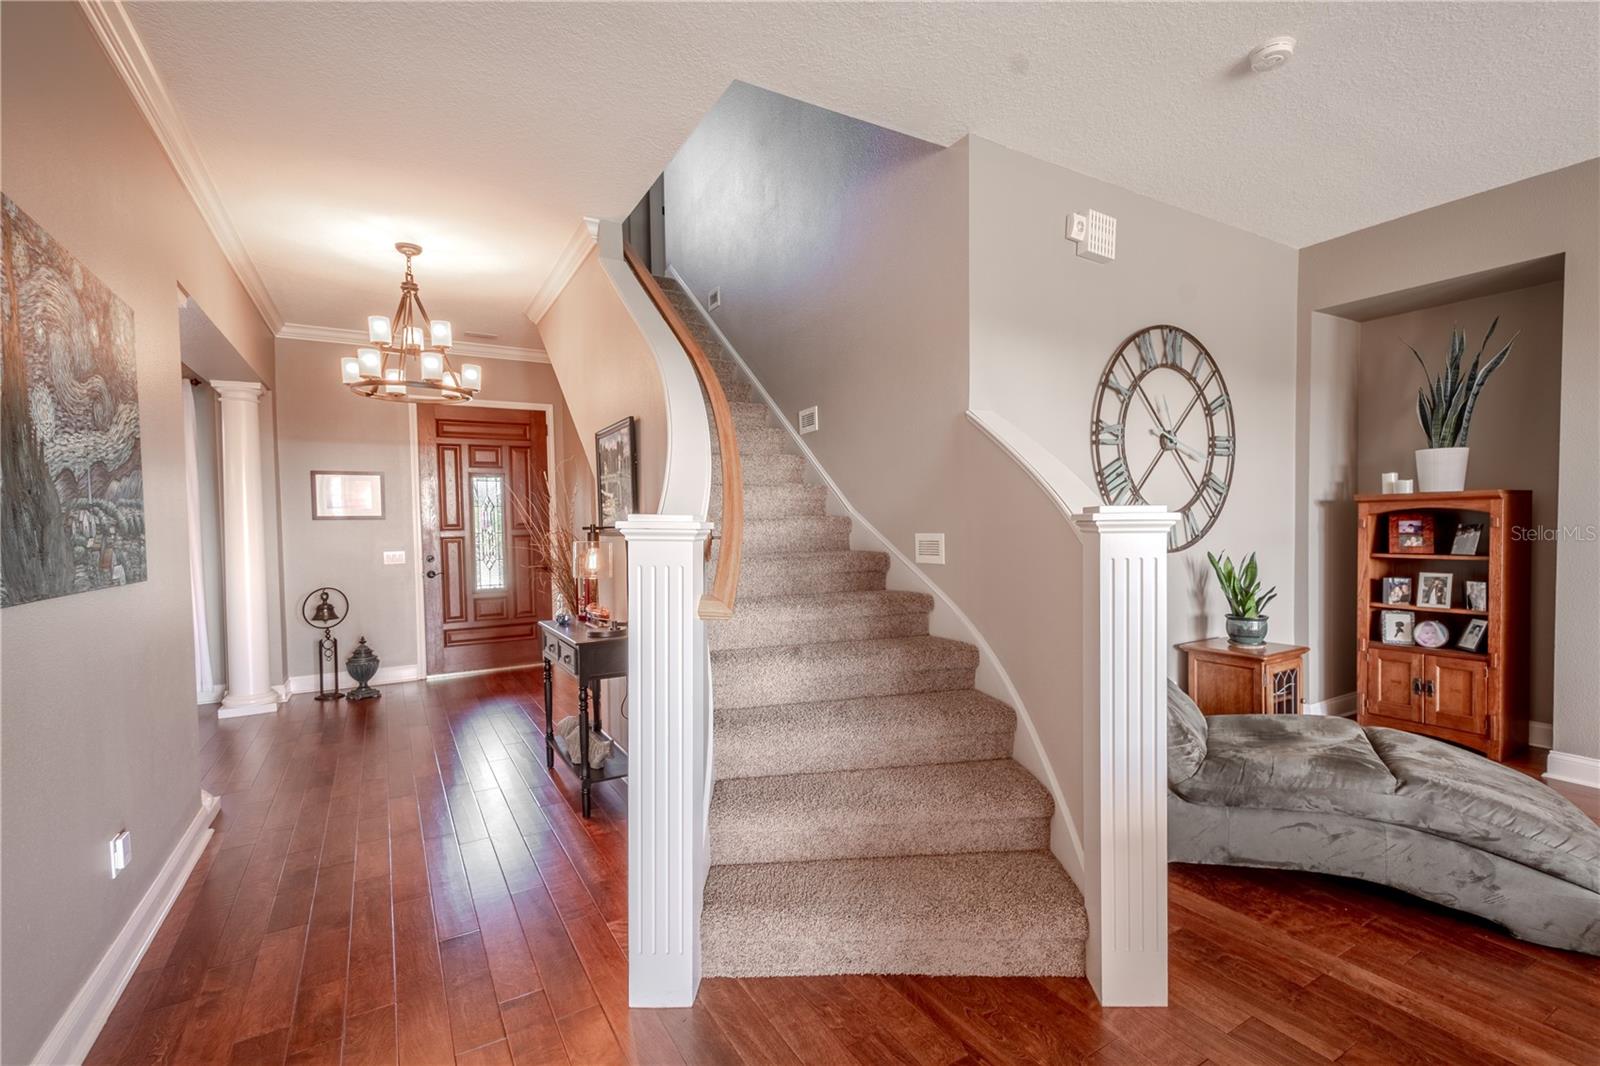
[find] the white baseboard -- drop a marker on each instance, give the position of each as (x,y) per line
(207,696)
(485,670)
(386,675)
(75,1031)
(1344,706)
(1573,769)
(1539,735)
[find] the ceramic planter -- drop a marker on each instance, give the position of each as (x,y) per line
(1246,631)
(1442,469)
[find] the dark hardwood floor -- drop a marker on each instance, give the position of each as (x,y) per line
(401,881)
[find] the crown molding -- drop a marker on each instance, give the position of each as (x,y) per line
(578,246)
(111,24)
(299,331)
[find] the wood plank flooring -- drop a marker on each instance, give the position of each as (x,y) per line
(402,881)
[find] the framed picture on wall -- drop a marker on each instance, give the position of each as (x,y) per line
(346,494)
(616,472)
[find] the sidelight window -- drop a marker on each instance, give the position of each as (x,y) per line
(489,530)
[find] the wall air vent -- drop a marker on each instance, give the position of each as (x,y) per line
(930,549)
(808,420)
(713,299)
(1095,235)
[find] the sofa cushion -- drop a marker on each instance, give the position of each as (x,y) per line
(1286,762)
(1186,735)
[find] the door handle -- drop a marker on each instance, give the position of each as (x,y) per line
(1428,687)
(1416,683)
(433,573)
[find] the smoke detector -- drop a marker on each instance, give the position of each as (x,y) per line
(1275,53)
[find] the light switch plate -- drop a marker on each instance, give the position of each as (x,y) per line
(394,558)
(121,852)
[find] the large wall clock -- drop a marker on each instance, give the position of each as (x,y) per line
(1162,430)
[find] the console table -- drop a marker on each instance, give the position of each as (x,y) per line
(1245,679)
(590,657)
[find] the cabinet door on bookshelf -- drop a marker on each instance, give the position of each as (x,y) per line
(1392,689)
(1456,694)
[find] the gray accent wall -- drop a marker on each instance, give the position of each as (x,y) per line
(98,722)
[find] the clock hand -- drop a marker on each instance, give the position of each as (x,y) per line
(1186,450)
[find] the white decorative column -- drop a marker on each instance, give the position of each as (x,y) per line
(244,552)
(668,731)
(1125,751)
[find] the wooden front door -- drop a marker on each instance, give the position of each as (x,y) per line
(483,471)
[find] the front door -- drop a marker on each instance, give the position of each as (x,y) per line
(483,475)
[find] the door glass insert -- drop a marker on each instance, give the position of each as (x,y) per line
(489,530)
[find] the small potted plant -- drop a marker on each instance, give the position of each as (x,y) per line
(1444,408)
(1242,587)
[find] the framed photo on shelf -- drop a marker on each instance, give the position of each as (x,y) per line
(1434,590)
(1411,534)
(1477,595)
(1397,590)
(1472,636)
(1397,627)
(346,494)
(616,472)
(1468,536)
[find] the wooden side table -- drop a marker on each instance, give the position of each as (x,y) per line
(1243,679)
(591,658)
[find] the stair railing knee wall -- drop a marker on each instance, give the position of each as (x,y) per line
(669,682)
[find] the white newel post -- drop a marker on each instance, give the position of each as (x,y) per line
(244,552)
(667,726)
(1125,751)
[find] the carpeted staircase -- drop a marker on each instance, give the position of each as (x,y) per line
(867,815)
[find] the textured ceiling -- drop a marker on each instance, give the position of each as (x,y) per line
(486,131)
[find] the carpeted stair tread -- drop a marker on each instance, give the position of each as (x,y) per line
(989,914)
(771,468)
(831,616)
(761,502)
(785,573)
(799,673)
(862,734)
(769,440)
(902,810)
(795,533)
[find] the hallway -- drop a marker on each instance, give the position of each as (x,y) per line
(401,880)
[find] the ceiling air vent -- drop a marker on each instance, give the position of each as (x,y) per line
(808,420)
(930,548)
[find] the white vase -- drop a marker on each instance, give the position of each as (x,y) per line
(1442,469)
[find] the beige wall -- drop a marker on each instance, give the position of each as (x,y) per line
(1516,427)
(322,425)
(607,372)
(1554,214)
(94,739)
(1045,322)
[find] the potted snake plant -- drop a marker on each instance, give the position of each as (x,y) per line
(1246,623)
(1445,407)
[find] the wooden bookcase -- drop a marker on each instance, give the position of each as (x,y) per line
(1477,699)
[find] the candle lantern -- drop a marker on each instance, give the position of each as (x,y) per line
(324,615)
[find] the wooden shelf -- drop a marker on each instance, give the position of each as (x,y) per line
(1430,558)
(1375,606)
(1443,653)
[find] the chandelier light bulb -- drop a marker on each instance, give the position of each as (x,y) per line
(396,386)
(350,369)
(411,337)
(471,377)
(432,366)
(378,329)
(439,329)
(371,362)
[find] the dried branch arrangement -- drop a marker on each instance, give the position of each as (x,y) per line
(555,510)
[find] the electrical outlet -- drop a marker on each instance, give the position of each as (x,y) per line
(713,299)
(121,852)
(808,420)
(394,558)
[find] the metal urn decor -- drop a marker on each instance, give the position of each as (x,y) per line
(362,667)
(1161,430)
(1445,408)
(324,616)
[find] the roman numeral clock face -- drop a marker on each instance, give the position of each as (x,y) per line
(1162,430)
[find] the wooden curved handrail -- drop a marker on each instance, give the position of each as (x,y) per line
(718,603)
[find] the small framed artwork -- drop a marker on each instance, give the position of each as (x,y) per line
(1468,536)
(346,494)
(616,472)
(1472,636)
(1434,590)
(1411,534)
(1477,595)
(1397,590)
(1397,627)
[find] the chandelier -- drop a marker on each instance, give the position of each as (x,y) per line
(397,365)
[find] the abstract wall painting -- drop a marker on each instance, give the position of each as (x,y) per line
(71,478)
(616,471)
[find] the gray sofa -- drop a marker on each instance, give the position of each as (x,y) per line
(1327,795)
